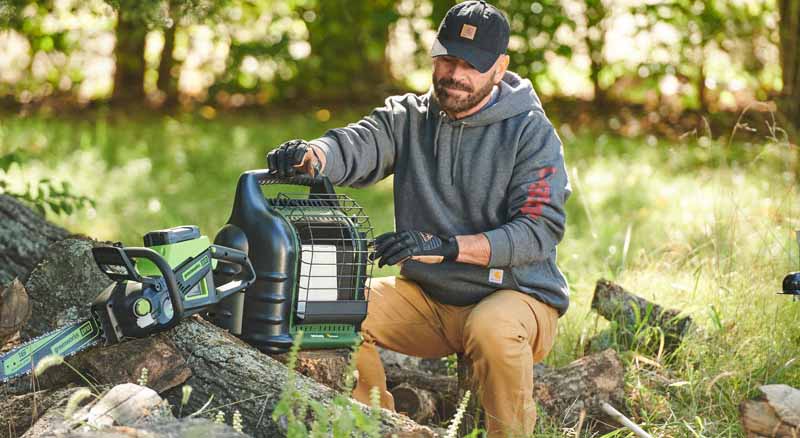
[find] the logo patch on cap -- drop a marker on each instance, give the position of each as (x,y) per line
(468,31)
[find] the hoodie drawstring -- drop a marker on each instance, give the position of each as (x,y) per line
(454,164)
(457,146)
(436,135)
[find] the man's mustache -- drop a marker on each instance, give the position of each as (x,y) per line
(452,83)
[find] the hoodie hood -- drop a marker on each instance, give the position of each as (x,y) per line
(515,96)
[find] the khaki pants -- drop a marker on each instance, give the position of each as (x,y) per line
(502,336)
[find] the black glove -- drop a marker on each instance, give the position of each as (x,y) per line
(283,159)
(393,248)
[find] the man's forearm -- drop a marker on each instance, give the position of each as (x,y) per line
(474,249)
(315,154)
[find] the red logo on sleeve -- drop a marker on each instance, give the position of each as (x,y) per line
(538,194)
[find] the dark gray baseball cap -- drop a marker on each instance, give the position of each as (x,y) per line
(474,31)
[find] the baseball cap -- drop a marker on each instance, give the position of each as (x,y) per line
(474,31)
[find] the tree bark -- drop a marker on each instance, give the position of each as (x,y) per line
(66,280)
(130,65)
(237,373)
(324,366)
(24,238)
(790,61)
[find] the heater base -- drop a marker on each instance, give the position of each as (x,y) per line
(327,336)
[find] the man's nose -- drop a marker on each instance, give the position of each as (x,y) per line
(461,70)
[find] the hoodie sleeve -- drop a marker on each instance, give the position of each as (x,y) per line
(536,195)
(364,152)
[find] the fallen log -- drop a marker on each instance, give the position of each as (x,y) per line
(124,410)
(418,404)
(563,392)
(15,310)
(18,413)
(324,366)
(775,414)
(444,388)
(637,321)
(66,280)
(24,238)
(235,374)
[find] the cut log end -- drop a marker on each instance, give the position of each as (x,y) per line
(419,404)
(774,414)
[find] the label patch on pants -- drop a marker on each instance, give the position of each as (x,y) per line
(496,276)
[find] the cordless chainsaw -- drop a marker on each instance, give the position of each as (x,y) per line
(154,288)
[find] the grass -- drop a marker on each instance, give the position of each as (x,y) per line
(698,224)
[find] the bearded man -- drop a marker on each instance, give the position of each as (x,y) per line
(479,191)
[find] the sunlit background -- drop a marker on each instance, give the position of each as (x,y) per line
(678,122)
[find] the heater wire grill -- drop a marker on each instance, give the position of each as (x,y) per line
(335,238)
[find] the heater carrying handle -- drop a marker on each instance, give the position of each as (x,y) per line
(319,184)
(320,187)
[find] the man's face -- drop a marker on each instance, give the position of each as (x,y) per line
(458,86)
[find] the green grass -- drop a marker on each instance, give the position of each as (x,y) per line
(702,226)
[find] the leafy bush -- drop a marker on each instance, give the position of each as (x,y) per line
(45,194)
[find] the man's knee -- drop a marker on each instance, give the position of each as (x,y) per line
(493,331)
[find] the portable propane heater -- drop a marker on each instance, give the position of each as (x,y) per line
(791,283)
(310,254)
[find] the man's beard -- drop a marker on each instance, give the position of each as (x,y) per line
(457,104)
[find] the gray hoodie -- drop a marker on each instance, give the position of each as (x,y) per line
(499,172)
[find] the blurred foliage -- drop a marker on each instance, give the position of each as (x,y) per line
(44,195)
(535,25)
(735,28)
(712,54)
(348,48)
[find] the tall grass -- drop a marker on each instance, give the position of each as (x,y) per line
(701,225)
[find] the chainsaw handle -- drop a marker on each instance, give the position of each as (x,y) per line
(236,257)
(169,278)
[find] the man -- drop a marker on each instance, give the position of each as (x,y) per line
(479,190)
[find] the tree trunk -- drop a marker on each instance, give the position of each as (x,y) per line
(790,61)
(595,19)
(167,83)
(130,66)
(24,238)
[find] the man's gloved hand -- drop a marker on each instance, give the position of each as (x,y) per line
(393,248)
(293,157)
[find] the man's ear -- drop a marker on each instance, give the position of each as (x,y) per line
(501,66)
